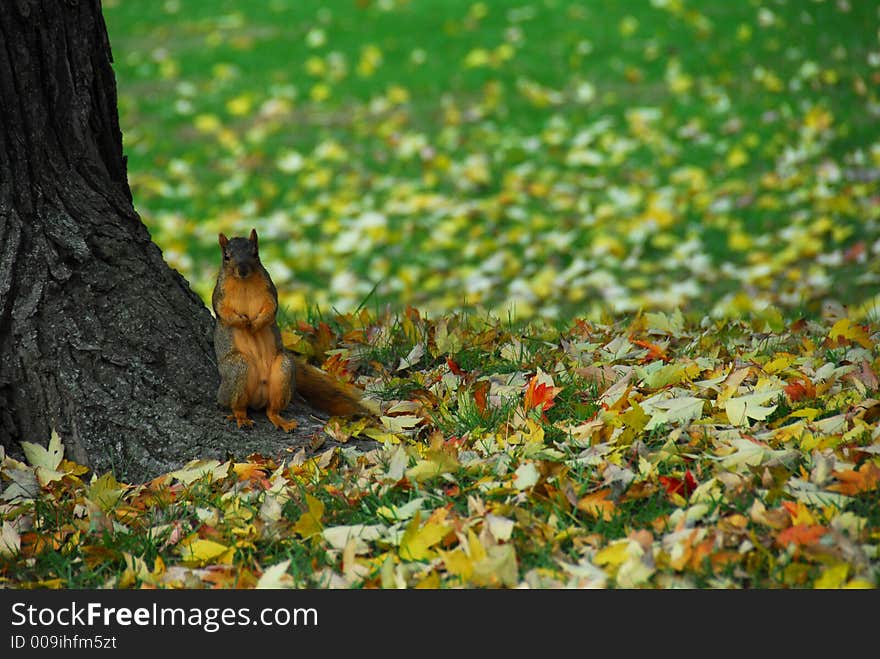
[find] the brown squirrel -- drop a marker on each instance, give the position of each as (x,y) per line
(256,371)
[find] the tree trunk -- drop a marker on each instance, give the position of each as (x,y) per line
(99,339)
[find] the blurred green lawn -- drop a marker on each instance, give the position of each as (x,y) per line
(548,157)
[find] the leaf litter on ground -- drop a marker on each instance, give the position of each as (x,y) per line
(587,471)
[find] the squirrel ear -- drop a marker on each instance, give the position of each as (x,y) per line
(253,235)
(223,241)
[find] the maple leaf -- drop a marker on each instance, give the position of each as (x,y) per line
(654,352)
(597,504)
(799,389)
(845,331)
(309,522)
(48,458)
(417,540)
(337,365)
(801,535)
(481,395)
(453,366)
(751,406)
(276,576)
(864,479)
(198,551)
(683,486)
(540,392)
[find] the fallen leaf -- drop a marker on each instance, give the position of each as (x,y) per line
(852,482)
(598,505)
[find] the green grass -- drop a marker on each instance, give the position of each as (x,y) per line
(555,159)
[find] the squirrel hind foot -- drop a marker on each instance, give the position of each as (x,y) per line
(280,422)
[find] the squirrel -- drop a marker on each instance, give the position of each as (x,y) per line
(256,371)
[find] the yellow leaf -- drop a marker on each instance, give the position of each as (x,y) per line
(401,423)
(844,329)
(416,543)
(430,582)
(458,563)
(635,418)
(383,437)
(858,583)
(737,157)
(309,523)
(48,458)
(207,123)
(613,555)
(498,568)
(437,462)
(105,491)
(779,364)
(202,552)
(833,577)
(240,105)
(665,375)
(400,513)
(474,547)
(196,469)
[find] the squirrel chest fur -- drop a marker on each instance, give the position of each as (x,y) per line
(255,370)
(258,346)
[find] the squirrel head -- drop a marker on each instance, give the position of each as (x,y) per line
(241,256)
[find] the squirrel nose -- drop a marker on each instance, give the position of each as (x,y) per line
(244,271)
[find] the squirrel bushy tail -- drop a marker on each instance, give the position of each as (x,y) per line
(326,393)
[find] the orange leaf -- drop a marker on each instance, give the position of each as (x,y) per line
(799,389)
(337,365)
(597,504)
(802,534)
(852,482)
(654,351)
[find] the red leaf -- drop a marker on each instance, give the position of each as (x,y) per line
(690,481)
(672,485)
(481,394)
(679,486)
(453,366)
(539,394)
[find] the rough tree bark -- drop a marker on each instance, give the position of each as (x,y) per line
(100,339)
